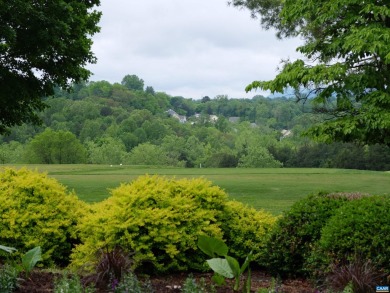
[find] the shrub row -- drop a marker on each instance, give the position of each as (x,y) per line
(324,231)
(156,219)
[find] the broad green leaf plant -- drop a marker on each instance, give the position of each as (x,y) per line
(28,260)
(227,267)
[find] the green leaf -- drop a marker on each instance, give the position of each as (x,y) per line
(31,257)
(212,246)
(218,279)
(234,265)
(221,267)
(247,261)
(7,249)
(247,286)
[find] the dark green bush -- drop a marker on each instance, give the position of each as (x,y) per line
(291,241)
(361,229)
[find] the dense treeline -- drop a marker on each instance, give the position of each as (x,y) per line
(128,123)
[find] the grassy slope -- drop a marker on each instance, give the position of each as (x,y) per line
(271,189)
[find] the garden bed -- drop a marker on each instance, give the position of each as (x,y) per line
(41,281)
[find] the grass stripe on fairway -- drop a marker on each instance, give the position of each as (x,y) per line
(274,190)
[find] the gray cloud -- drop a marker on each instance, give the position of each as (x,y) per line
(186,47)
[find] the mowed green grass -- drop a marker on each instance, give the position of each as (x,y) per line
(274,190)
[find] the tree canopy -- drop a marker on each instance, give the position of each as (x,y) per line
(42,44)
(347,46)
(133,82)
(56,147)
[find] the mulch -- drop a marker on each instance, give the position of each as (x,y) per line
(40,281)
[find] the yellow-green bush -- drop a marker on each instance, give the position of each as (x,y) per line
(38,211)
(160,220)
(245,229)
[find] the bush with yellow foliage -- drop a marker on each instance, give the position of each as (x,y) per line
(36,210)
(160,219)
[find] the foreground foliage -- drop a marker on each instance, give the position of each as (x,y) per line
(245,229)
(359,230)
(291,241)
(156,225)
(227,267)
(338,239)
(160,219)
(9,273)
(35,211)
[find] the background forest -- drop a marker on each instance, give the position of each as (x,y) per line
(128,123)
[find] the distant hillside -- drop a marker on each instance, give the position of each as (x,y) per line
(125,123)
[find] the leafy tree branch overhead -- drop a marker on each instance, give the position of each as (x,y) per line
(347,45)
(42,44)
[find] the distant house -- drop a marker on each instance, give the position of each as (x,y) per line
(182,119)
(213,118)
(234,119)
(285,133)
(173,114)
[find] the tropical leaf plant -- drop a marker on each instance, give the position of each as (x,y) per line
(227,267)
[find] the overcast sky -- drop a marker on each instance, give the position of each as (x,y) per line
(186,48)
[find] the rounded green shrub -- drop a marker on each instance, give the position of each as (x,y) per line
(38,211)
(292,239)
(159,220)
(358,229)
(245,229)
